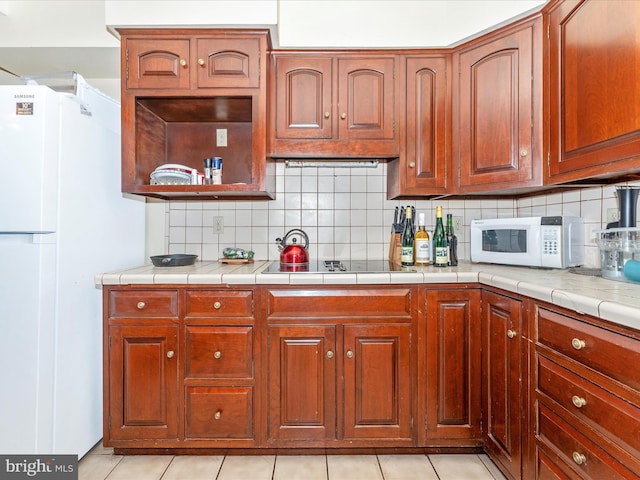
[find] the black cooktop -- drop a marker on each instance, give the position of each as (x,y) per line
(339,266)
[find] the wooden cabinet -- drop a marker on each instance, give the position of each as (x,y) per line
(180,367)
(594,129)
(504,381)
(453,367)
(333,379)
(141,369)
(497,102)
(337,105)
(180,88)
(425,128)
(588,397)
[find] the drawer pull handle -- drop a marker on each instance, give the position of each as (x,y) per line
(170,354)
(349,354)
(140,305)
(327,114)
(511,333)
(218,415)
(579,458)
(217,305)
(329,354)
(201,62)
(412,164)
(183,63)
(343,116)
(579,402)
(217,354)
(578,344)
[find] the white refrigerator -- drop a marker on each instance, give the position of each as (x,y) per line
(63,219)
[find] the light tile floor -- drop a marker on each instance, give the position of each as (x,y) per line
(102,464)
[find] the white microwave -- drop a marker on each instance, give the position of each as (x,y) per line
(547,242)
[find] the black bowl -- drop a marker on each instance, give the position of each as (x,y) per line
(173,260)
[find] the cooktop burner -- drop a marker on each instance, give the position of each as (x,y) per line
(339,266)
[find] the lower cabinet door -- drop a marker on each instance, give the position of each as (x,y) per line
(219,413)
(143,382)
(377,381)
(302,382)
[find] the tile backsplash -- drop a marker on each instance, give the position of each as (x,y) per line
(345,213)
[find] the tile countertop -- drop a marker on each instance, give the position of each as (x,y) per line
(618,302)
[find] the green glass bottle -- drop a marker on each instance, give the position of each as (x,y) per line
(440,241)
(406,257)
(452,242)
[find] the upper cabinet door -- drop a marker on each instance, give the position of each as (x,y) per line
(498,96)
(303,97)
(228,62)
(594,99)
(366,100)
(157,63)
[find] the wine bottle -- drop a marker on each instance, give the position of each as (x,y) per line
(452,242)
(421,244)
(406,257)
(440,241)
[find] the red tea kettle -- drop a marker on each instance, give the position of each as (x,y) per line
(294,253)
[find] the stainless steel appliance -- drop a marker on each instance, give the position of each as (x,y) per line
(548,242)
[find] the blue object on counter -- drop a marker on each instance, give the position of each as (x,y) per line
(632,270)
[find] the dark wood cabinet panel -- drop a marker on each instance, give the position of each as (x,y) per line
(503,379)
(157,63)
(334,105)
(594,100)
(453,366)
(228,62)
(302,382)
(304,97)
(425,129)
(219,413)
(377,381)
(143,382)
(497,134)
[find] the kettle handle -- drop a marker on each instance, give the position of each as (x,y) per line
(297,230)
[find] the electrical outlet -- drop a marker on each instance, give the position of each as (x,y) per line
(218,225)
(457,224)
(613,215)
(221,137)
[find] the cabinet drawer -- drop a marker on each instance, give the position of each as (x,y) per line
(219,412)
(219,352)
(607,352)
(143,303)
(576,449)
(312,303)
(593,405)
(219,303)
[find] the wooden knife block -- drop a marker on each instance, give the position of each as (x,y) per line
(395,248)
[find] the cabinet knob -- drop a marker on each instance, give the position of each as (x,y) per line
(578,344)
(524,152)
(412,164)
(511,333)
(327,114)
(140,305)
(579,458)
(218,415)
(201,62)
(217,354)
(343,116)
(183,63)
(349,354)
(170,354)
(217,305)
(579,402)
(329,354)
